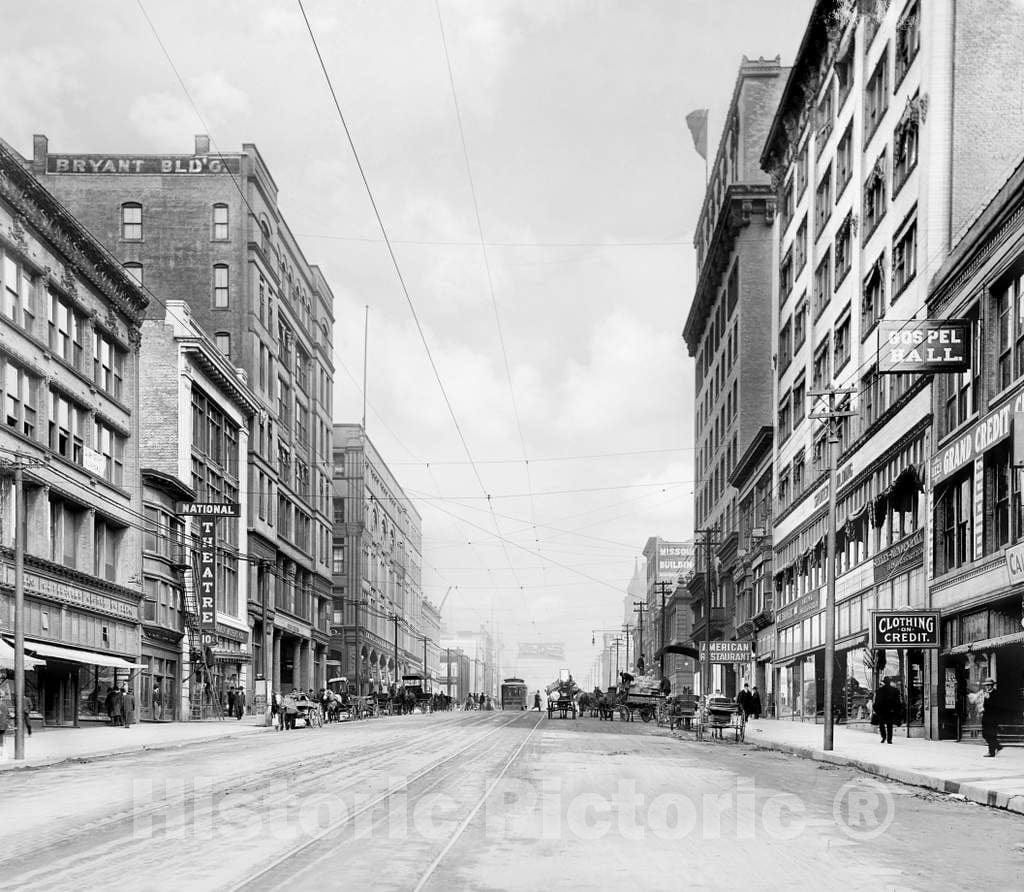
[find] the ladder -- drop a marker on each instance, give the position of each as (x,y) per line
(201,680)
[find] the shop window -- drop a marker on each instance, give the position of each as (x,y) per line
(953,521)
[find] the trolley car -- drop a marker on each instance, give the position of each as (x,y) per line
(513,694)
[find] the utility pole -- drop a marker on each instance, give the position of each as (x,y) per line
(662,586)
(448,664)
(359,651)
(830,416)
(710,535)
(639,607)
(395,679)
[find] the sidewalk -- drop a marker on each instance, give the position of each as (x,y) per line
(50,746)
(946,766)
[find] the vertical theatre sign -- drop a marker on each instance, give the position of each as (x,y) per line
(208,581)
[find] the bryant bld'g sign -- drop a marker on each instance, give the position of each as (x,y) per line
(905,628)
(924,346)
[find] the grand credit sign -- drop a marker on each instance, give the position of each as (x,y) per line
(993,428)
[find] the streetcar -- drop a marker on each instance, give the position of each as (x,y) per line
(513,694)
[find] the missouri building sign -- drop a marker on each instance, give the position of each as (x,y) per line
(924,346)
(905,628)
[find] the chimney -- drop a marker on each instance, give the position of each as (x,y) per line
(202,144)
(40,149)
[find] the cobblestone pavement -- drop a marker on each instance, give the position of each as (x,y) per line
(489,801)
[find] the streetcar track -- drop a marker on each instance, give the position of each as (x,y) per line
(351,816)
(306,772)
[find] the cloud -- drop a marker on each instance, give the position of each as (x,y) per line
(164,118)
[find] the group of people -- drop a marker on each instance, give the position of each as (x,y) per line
(478,701)
(236,701)
(749,702)
(120,706)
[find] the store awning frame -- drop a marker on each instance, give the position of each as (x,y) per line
(86,657)
(7,657)
(677,647)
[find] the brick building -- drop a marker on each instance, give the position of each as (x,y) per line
(69,340)
(884,142)
(728,332)
(195,443)
(206,229)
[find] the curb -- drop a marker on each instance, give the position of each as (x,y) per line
(1013,802)
(10,764)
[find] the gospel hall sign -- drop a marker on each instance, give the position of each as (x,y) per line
(924,346)
(142,164)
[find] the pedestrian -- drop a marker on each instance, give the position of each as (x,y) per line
(231,700)
(127,705)
(158,712)
(536,701)
(992,707)
(115,707)
(291,713)
(239,703)
(755,702)
(3,725)
(743,701)
(666,686)
(275,711)
(888,709)
(641,664)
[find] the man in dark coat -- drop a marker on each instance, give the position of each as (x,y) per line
(114,706)
(755,703)
(239,703)
(992,707)
(888,709)
(641,664)
(127,706)
(743,701)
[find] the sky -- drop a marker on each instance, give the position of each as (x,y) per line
(563,436)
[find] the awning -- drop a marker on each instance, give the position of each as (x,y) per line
(986,644)
(677,647)
(7,657)
(88,657)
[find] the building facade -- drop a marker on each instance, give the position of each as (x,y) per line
(878,165)
(69,346)
(207,229)
(977,522)
(197,411)
(728,333)
(382,627)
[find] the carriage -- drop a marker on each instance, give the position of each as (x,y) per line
(416,685)
(513,694)
(562,695)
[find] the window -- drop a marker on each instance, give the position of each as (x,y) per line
(876,96)
(783,422)
(799,401)
(1009,306)
(284,404)
(223,341)
(824,119)
(110,444)
(18,288)
(822,371)
(131,222)
(1002,499)
(108,361)
(904,258)
(908,40)
(220,222)
(65,528)
(786,207)
(874,196)
(963,390)
(841,340)
(801,172)
(135,271)
(872,399)
(338,559)
(800,246)
(953,509)
(732,292)
(106,539)
(65,330)
(799,469)
(66,428)
(19,398)
(783,488)
(844,161)
(800,325)
(873,299)
(785,349)
(822,284)
(844,74)
(220,285)
(844,248)
(823,202)
(786,274)
(905,143)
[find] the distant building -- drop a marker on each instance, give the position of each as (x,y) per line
(666,563)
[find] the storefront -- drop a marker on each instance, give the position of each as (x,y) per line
(160,680)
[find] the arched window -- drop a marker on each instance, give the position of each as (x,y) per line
(265,228)
(135,271)
(131,221)
(220,222)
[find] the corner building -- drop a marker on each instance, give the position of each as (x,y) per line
(206,229)
(69,370)
(728,332)
(878,155)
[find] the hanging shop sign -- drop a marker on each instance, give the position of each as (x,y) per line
(210,509)
(207,582)
(993,428)
(924,346)
(1015,564)
(727,651)
(899,558)
(904,628)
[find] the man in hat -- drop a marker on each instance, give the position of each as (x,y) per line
(992,708)
(888,709)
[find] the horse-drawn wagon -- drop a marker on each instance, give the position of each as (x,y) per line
(416,694)
(562,696)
